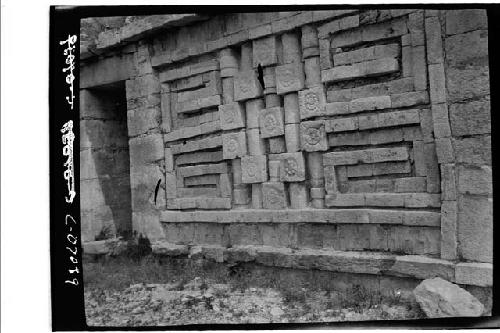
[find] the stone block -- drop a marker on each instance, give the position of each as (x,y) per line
(169,160)
(260,31)
(289,78)
(336,108)
(312,71)
(448,182)
(437,83)
(146,149)
(277,145)
(312,102)
(474,150)
(325,59)
(265,51)
(449,230)
(142,120)
(460,21)
(467,49)
(419,158)
(471,118)
(254,169)
(271,121)
(362,186)
(313,136)
(256,196)
(383,30)
(234,145)
(388,168)
(148,224)
(477,274)
(422,218)
(274,195)
(358,70)
(331,185)
(419,68)
(225,187)
(241,196)
(291,105)
(475,180)
(444,150)
(292,137)
(342,125)
(410,184)
(142,86)
(291,48)
(292,167)
(475,223)
(434,41)
(422,200)
(432,168)
(396,118)
(384,200)
(413,133)
(246,86)
(385,136)
(231,116)
(256,145)
(467,82)
(344,200)
(422,267)
(272,100)
(298,195)
(317,192)
(253,108)
(368,121)
(385,185)
(370,103)
(274,170)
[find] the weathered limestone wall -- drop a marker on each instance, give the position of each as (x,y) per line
(293,139)
(104,163)
(468,97)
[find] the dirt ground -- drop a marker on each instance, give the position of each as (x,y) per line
(147,293)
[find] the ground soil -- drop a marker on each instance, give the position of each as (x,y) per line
(147,293)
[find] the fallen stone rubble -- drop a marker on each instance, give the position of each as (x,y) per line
(199,303)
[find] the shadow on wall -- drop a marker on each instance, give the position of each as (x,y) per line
(104,163)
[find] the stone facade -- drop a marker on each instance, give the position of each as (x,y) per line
(352,140)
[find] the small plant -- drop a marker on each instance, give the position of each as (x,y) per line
(104,233)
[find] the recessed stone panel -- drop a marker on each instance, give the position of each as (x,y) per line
(271,122)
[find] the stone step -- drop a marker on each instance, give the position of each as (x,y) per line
(409,266)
